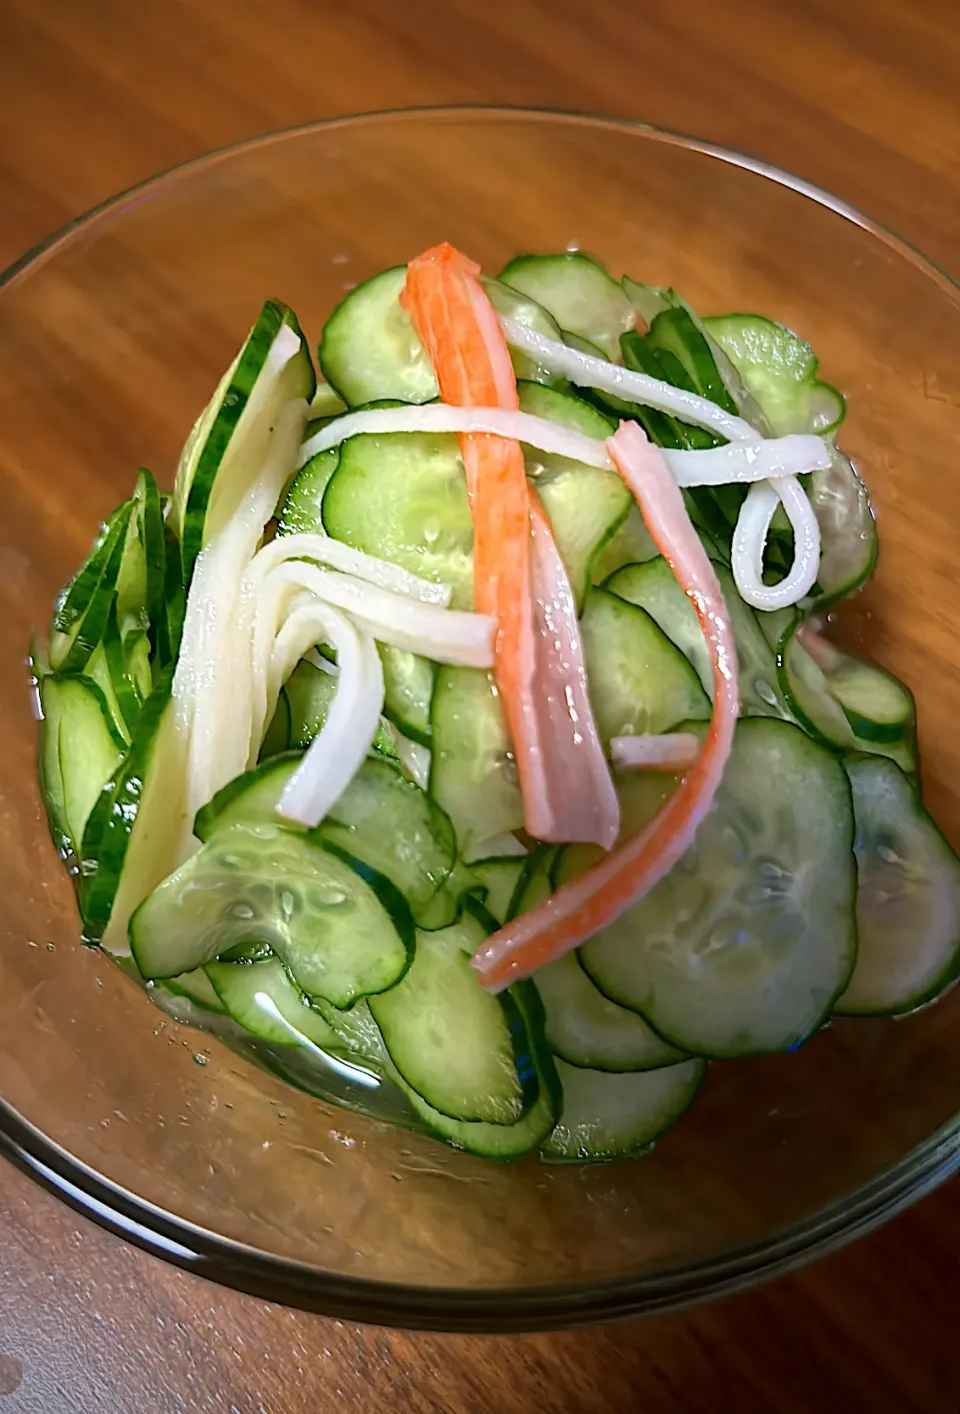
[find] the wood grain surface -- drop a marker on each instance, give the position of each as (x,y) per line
(97,94)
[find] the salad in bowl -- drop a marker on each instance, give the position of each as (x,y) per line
(462,738)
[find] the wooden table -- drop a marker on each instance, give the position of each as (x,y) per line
(97,94)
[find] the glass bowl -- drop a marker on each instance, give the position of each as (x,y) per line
(112,336)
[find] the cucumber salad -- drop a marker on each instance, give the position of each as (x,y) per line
(459,737)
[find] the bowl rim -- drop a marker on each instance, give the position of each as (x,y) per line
(494,1309)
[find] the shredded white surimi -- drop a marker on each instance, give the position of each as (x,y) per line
(741,461)
(749,540)
(670,751)
(339,556)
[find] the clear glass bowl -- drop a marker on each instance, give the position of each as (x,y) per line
(112,336)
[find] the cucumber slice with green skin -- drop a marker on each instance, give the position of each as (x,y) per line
(609,1116)
(72,644)
(264,1000)
(197,987)
(642,794)
(848,531)
(382,819)
(170,629)
(80,750)
(585,506)
(140,592)
(630,544)
(408,682)
(356,1032)
(577,291)
(503,1142)
(780,371)
(234,436)
(463,1051)
(325,403)
(369,348)
(746,944)
(526,311)
(134,831)
(653,587)
(447,903)
(122,704)
(341,934)
(310,692)
(301,512)
(876,704)
(499,877)
(808,691)
(674,332)
(73,600)
(585,1028)
(473,774)
(403,497)
(277,738)
(908,902)
(639,682)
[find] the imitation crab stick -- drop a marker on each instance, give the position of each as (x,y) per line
(461,332)
(597,897)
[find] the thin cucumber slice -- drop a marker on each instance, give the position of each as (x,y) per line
(142,567)
(197,987)
(502,1141)
(630,544)
(326,402)
(264,1000)
(73,600)
(408,682)
(908,902)
(73,639)
(745,945)
(369,348)
(342,936)
(310,692)
(174,603)
(382,819)
(121,703)
(134,831)
(301,512)
(499,877)
(642,794)
(876,704)
(585,506)
(234,437)
(473,774)
(465,1052)
(80,749)
(653,587)
(585,1028)
(356,1032)
(609,1116)
(403,497)
(639,682)
(511,303)
(780,371)
(577,292)
(447,903)
(673,331)
(277,738)
(848,531)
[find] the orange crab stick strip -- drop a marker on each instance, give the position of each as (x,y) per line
(597,897)
(460,331)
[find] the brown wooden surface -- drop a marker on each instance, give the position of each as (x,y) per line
(96,94)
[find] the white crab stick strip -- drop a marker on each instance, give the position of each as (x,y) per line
(670,751)
(750,536)
(741,461)
(338,556)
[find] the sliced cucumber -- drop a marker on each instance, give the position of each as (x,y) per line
(277,737)
(780,371)
(848,531)
(630,544)
(876,704)
(382,819)
(301,511)
(585,506)
(77,631)
(908,902)
(585,1028)
(140,595)
(639,682)
(653,587)
(463,1051)
(134,831)
(745,945)
(196,986)
(341,935)
(370,349)
(526,311)
(577,291)
(473,774)
(609,1116)
(499,877)
(408,682)
(403,497)
(264,1000)
(235,434)
(674,332)
(325,403)
(80,750)
(502,1141)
